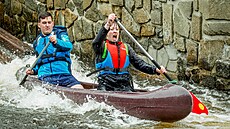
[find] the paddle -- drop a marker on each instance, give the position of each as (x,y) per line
(198,107)
(35,62)
(143,50)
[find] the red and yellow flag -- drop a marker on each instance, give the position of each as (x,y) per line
(198,107)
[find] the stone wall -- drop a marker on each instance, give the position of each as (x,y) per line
(191,38)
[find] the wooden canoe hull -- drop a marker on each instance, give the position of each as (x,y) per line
(169,103)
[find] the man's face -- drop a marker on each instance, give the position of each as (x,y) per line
(46,25)
(113,34)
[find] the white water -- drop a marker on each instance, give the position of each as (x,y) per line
(40,99)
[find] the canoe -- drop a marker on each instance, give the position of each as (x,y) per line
(169,103)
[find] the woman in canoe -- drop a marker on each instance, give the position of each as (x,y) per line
(113,58)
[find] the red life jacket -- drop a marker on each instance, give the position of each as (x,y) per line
(118,54)
(116,60)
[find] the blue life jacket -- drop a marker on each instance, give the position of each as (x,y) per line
(115,59)
(52,53)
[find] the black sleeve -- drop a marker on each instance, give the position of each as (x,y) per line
(140,64)
(98,41)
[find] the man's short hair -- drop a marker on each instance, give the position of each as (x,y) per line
(43,15)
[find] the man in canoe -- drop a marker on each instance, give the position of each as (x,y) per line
(54,65)
(113,58)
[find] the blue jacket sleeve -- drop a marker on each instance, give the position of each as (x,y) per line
(64,43)
(35,69)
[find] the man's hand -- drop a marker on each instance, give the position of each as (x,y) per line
(29,72)
(53,39)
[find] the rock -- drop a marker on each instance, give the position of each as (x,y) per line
(223,68)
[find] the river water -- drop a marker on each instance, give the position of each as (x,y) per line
(40,109)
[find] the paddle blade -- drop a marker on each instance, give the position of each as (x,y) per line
(198,107)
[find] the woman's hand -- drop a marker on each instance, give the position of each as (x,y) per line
(110,20)
(162,70)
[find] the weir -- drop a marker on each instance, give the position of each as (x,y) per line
(12,47)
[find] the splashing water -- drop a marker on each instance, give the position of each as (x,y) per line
(21,108)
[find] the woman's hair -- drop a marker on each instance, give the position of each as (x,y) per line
(43,15)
